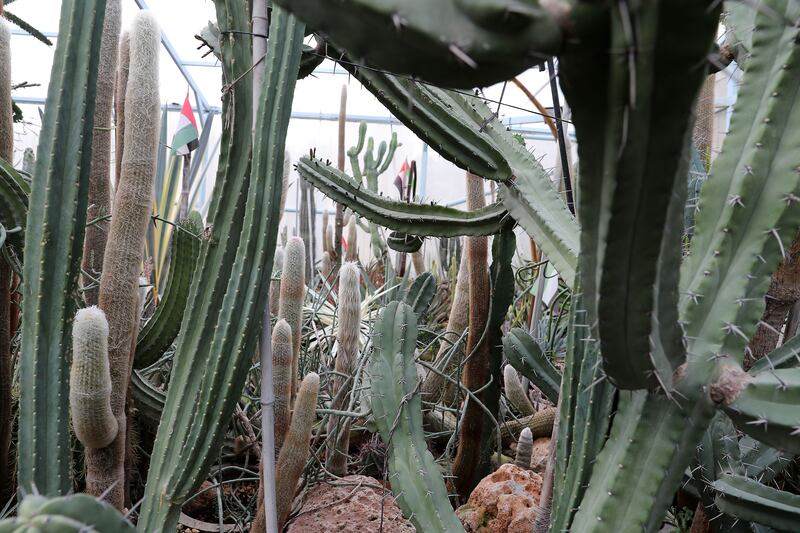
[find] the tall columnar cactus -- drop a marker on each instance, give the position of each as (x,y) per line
(351,254)
(6,275)
(294,452)
(221,326)
(119,283)
(347,345)
(121,87)
(94,242)
(435,386)
(373,166)
(325,265)
(94,422)
(53,244)
(417,482)
(293,293)
(476,369)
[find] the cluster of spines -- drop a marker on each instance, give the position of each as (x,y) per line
(292,295)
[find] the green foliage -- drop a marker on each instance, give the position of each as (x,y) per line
(68,514)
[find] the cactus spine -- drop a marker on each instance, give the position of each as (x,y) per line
(293,292)
(94,242)
(294,452)
(123,67)
(347,344)
(119,283)
(90,380)
(53,245)
(465,465)
(524,449)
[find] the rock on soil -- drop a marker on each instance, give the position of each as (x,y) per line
(503,502)
(539,453)
(337,509)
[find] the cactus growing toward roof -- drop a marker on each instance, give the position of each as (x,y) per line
(94,422)
(121,86)
(283,368)
(292,295)
(119,283)
(230,290)
(275,286)
(347,346)
(53,245)
(94,242)
(351,254)
(294,452)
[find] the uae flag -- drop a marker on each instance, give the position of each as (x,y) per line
(185,139)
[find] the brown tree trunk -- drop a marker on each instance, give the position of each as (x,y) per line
(783,293)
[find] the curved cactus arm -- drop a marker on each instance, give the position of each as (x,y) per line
(787,355)
(747,499)
(230,290)
(53,248)
(525,355)
(416,479)
(68,514)
(436,122)
(417,219)
(14,192)
(765,406)
(420,293)
(160,331)
(149,399)
(459,44)
(633,190)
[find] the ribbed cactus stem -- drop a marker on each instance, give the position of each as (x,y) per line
(524,449)
(119,283)
(435,387)
(282,379)
(293,291)
(351,254)
(90,380)
(347,345)
(123,67)
(515,393)
(6,152)
(275,286)
(94,242)
(294,452)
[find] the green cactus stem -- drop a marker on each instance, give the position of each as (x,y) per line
(747,499)
(53,245)
(229,294)
(94,422)
(94,242)
(416,480)
(459,44)
(415,219)
(162,328)
(294,452)
(293,293)
(347,346)
(68,514)
(526,357)
(420,294)
(275,286)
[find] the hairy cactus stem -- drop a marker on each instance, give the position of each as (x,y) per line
(292,294)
